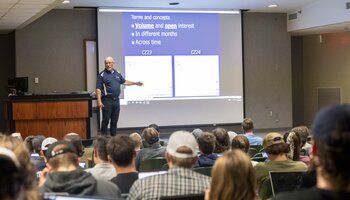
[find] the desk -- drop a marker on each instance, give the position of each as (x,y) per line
(51,115)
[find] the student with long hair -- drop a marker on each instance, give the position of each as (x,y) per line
(233,177)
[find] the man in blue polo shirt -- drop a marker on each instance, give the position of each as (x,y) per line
(107,93)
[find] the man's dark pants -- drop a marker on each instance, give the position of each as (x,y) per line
(110,111)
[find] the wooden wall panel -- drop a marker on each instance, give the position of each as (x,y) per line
(62,110)
(21,127)
(57,128)
(24,110)
(77,126)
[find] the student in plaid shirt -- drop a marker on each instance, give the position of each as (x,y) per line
(181,155)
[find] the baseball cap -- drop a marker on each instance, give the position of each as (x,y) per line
(9,155)
(180,139)
(46,142)
(67,147)
(330,119)
(272,138)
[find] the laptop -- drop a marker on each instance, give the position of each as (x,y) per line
(285,181)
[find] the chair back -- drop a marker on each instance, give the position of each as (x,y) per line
(153,164)
(203,170)
(257,147)
(259,159)
(252,152)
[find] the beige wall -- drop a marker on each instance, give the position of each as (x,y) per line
(52,49)
(326,63)
(267,73)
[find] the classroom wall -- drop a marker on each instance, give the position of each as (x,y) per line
(52,49)
(326,63)
(267,70)
(7,68)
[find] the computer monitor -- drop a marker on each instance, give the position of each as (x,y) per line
(18,83)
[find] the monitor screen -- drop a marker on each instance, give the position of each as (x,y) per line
(285,181)
(18,83)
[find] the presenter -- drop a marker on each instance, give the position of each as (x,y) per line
(107,93)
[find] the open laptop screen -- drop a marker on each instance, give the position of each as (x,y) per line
(285,181)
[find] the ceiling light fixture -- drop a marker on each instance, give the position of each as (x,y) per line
(273,6)
(66,1)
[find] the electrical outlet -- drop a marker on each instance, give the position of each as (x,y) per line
(36,80)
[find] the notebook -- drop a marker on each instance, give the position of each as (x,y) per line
(285,181)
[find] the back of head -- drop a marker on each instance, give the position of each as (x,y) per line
(28,142)
(206,142)
(331,133)
(150,135)
(239,181)
(121,149)
(100,146)
(62,154)
(222,140)
(247,125)
(11,178)
(76,140)
(293,140)
(274,144)
(303,132)
(137,139)
(240,142)
(37,141)
(26,166)
(182,149)
(155,126)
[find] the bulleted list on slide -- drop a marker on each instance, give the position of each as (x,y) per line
(174,54)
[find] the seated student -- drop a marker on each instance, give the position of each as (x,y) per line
(121,152)
(276,150)
(138,141)
(248,128)
(206,143)
(152,148)
(28,185)
(77,142)
(241,142)
(180,179)
(232,177)
(294,141)
(63,174)
(45,144)
(103,169)
(223,142)
(35,147)
(304,134)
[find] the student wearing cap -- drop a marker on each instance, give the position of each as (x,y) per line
(152,147)
(63,174)
(276,150)
(181,155)
(45,144)
(330,155)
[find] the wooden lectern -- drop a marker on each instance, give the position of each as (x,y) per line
(51,115)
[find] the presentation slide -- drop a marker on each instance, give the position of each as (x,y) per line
(190,64)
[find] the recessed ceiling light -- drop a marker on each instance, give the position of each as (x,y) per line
(174,3)
(66,1)
(273,6)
